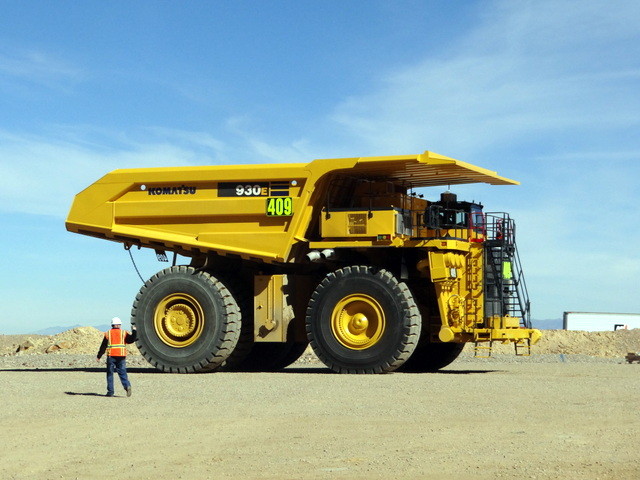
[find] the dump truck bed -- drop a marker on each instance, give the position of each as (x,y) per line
(258,212)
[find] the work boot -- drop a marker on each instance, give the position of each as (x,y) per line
(129,391)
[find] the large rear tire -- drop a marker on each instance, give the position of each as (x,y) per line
(431,357)
(270,357)
(361,321)
(252,356)
(187,321)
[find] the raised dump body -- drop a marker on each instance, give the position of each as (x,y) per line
(338,252)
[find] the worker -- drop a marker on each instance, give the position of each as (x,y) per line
(114,343)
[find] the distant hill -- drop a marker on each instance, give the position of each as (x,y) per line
(59,329)
(552,324)
(55,330)
(105,327)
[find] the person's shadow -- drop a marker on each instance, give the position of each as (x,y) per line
(87,394)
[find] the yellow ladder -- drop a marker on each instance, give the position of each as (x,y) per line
(523,347)
(482,350)
(483,345)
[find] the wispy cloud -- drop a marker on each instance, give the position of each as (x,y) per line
(38,67)
(264,149)
(528,68)
(40,174)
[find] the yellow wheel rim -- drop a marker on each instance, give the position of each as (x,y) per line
(178,320)
(358,322)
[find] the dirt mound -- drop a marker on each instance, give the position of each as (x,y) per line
(81,340)
(86,340)
(597,344)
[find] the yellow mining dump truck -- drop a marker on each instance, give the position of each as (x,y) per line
(338,253)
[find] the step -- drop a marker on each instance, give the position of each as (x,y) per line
(523,348)
(483,349)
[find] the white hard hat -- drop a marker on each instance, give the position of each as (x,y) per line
(116,321)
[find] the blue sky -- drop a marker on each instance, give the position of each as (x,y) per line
(545,92)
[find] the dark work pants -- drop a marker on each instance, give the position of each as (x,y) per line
(117,364)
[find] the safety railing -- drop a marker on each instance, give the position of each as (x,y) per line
(505,274)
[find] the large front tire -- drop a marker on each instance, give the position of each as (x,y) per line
(361,321)
(187,321)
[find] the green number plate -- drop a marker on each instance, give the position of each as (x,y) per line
(280,207)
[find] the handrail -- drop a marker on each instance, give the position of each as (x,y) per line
(522,291)
(501,231)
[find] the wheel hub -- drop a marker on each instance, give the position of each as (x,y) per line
(358,322)
(179,320)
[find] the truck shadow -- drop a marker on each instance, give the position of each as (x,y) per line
(289,370)
(464,372)
(327,371)
(78,369)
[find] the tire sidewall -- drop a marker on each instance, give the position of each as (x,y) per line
(197,285)
(382,352)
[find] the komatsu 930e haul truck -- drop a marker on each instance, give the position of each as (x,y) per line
(339,253)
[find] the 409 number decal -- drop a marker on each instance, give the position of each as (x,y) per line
(280,207)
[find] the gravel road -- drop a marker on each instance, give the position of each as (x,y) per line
(542,417)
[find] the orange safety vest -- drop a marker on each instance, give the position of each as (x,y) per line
(115,342)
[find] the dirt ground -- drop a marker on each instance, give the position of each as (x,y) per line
(472,420)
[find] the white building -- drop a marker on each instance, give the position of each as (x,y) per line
(599,322)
